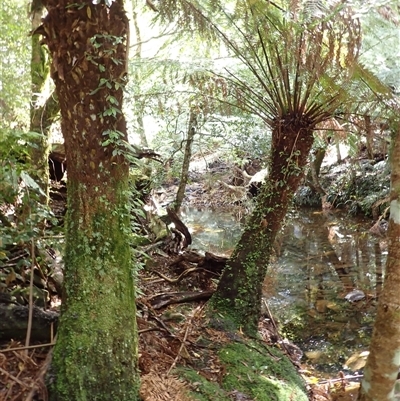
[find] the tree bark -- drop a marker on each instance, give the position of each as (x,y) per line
(186,159)
(239,291)
(383,363)
(95,357)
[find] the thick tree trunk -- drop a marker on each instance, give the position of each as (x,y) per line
(383,363)
(95,357)
(186,159)
(239,290)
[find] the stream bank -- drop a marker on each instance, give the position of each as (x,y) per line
(181,349)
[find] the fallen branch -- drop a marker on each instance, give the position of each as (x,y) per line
(180,277)
(339,379)
(161,300)
(28,347)
(14,323)
(237,191)
(180,349)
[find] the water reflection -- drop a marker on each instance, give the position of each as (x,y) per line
(213,231)
(324,256)
(321,257)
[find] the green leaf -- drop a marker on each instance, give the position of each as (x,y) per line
(31,183)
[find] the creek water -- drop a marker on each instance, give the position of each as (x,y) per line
(322,285)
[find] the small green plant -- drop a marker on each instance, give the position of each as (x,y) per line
(23,214)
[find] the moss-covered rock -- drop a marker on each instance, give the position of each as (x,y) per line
(253,371)
(261,372)
(360,187)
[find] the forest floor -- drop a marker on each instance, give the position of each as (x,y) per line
(179,350)
(175,334)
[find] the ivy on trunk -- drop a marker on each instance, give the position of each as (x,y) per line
(239,290)
(95,357)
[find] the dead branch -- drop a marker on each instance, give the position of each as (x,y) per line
(161,300)
(180,277)
(237,191)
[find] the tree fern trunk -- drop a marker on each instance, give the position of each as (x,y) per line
(239,290)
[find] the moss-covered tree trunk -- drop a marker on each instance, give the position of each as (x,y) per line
(383,363)
(239,290)
(95,357)
(191,132)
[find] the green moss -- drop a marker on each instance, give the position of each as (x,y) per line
(203,390)
(253,369)
(139,240)
(261,372)
(95,357)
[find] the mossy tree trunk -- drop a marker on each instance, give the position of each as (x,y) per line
(315,168)
(191,132)
(383,363)
(95,357)
(239,290)
(44,107)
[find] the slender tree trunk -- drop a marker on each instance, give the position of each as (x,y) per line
(139,104)
(239,290)
(319,158)
(369,135)
(378,269)
(186,159)
(95,357)
(315,167)
(383,363)
(43,110)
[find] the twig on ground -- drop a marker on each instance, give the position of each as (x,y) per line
(28,347)
(39,382)
(12,377)
(179,278)
(188,325)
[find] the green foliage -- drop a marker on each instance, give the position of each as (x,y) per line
(380,21)
(14,65)
(365,191)
(360,188)
(22,213)
(20,202)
